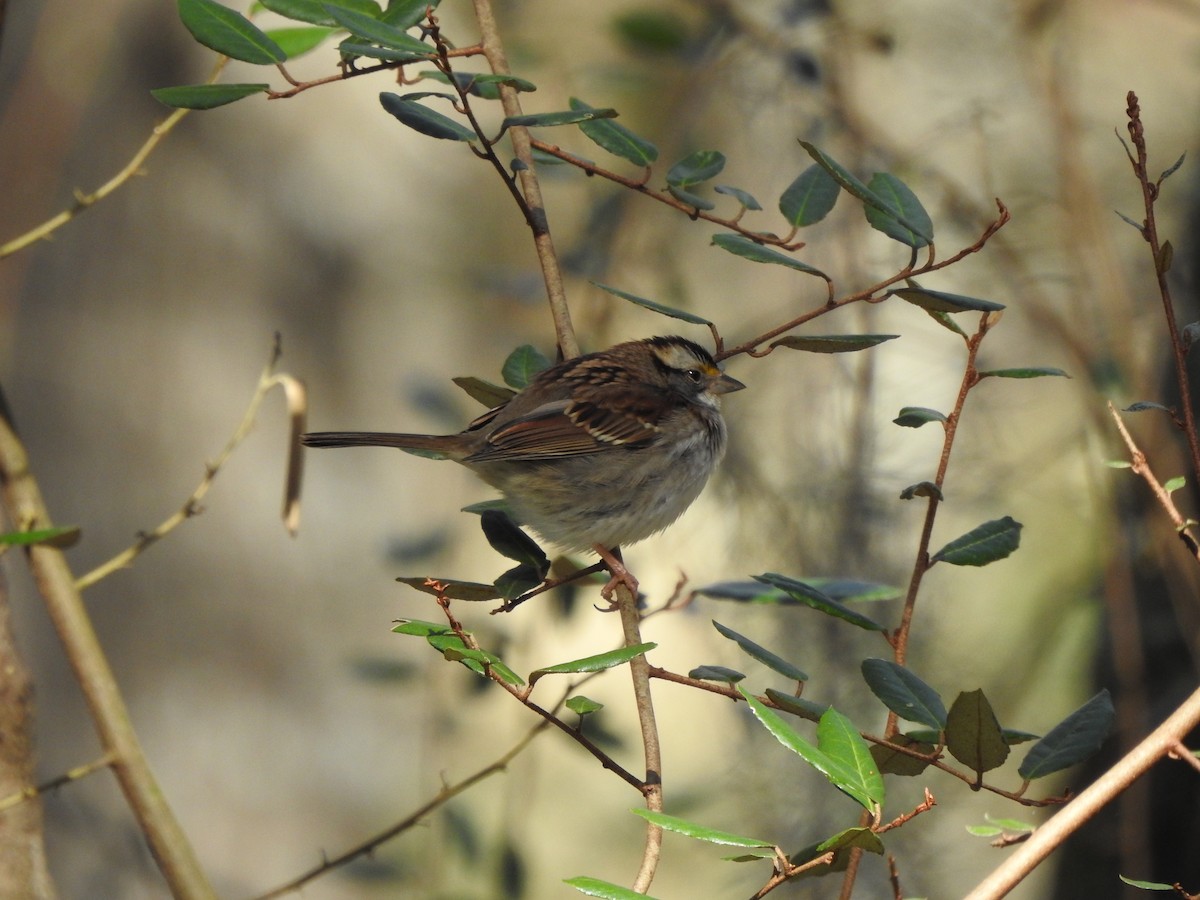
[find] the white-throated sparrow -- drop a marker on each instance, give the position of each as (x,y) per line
(597,451)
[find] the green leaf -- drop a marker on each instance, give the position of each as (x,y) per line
(420,628)
(797,706)
(833,343)
(226,31)
(696,168)
(762,654)
(1072,740)
(985,544)
(1170,170)
(522,366)
(651,305)
(857,189)
(298,41)
(863,838)
(893,762)
(699,832)
(685,196)
(943,302)
(905,220)
(205,96)
(519,579)
(404,14)
(478,661)
(597,663)
(904,693)
(1143,405)
(810,197)
(566,117)
(313,11)
(1147,885)
(973,735)
(454,590)
(1029,372)
(509,540)
(652,31)
(1171,485)
(582,706)
(716,673)
(606,890)
(843,589)
(847,767)
(378,32)
(421,118)
(62,537)
(810,596)
(481,84)
(353,47)
(485,392)
(616,138)
(916,416)
(740,245)
(747,200)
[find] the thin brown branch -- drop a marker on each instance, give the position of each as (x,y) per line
(57,781)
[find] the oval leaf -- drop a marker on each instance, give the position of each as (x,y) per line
(523,365)
(66,536)
(509,540)
(594,887)
(582,706)
(943,302)
(905,220)
(685,196)
(797,706)
(989,542)
(700,832)
(566,117)
(656,307)
(597,663)
(810,596)
(454,590)
(226,31)
(763,655)
(893,762)
(747,200)
(405,13)
(616,138)
(833,343)
(1030,372)
(916,416)
(484,391)
(742,246)
(716,673)
(810,197)
(904,693)
(1072,740)
(313,11)
(425,120)
(377,32)
(839,739)
(973,735)
(696,168)
(298,41)
(205,96)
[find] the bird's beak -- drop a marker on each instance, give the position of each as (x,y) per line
(725,385)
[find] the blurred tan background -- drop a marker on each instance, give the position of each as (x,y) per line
(282,716)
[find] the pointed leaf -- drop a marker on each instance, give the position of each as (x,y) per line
(699,832)
(426,121)
(1029,372)
(226,31)
(519,579)
(1168,172)
(1072,740)
(377,32)
(685,196)
(812,597)
(522,366)
(582,706)
(985,544)
(404,14)
(298,41)
(313,11)
(597,663)
(1143,405)
(745,199)
(863,838)
(904,693)
(716,673)
(916,416)
(943,302)
(606,890)
(973,735)
(616,138)
(651,305)
(797,706)
(565,117)
(832,343)
(905,220)
(762,654)
(810,197)
(740,245)
(478,661)
(454,590)
(696,168)
(893,762)
(485,392)
(1147,885)
(509,540)
(479,84)
(839,739)
(205,96)
(63,537)
(353,47)
(843,589)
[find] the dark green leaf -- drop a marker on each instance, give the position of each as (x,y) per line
(946,321)
(916,416)
(797,706)
(63,537)
(479,84)
(696,168)
(863,838)
(597,663)
(1147,885)
(1031,372)
(594,887)
(656,307)
(810,197)
(519,579)
(989,542)
(378,32)
(973,735)
(313,11)
(905,220)
(421,118)
(747,200)
(1168,172)
(685,196)
(716,673)
(1072,740)
(484,391)
(940,301)
(893,762)
(746,248)
(744,592)
(226,31)
(353,47)
(1143,405)
(762,654)
(522,366)
(616,138)
(454,590)
(843,589)
(810,596)
(1012,736)
(922,489)
(904,693)
(652,30)
(699,832)
(582,706)
(566,117)
(205,96)
(298,41)
(509,540)
(404,14)
(832,343)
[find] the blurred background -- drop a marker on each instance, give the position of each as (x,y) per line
(282,716)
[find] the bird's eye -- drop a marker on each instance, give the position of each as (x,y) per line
(694,376)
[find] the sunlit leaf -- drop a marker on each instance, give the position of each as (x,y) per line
(616,138)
